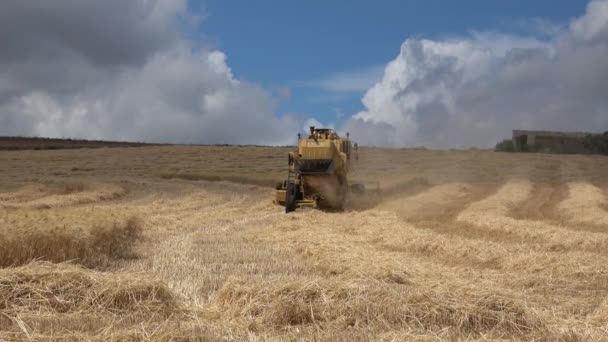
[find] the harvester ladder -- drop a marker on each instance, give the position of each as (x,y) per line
(291,175)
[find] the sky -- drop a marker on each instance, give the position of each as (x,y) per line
(328,53)
(394,73)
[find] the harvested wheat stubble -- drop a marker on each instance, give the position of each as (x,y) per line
(493,213)
(543,203)
(58,302)
(238,268)
(600,315)
(386,250)
(25,193)
(43,197)
(433,202)
(93,247)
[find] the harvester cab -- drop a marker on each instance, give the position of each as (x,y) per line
(317,171)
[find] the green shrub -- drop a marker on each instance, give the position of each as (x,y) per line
(506,145)
(509,145)
(596,143)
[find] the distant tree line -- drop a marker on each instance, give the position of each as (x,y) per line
(596,143)
(39,143)
(508,145)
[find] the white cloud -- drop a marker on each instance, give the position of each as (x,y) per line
(594,24)
(472,91)
(350,81)
(66,73)
(312,122)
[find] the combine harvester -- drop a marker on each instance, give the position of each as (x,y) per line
(318,170)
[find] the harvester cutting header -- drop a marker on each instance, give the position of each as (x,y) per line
(318,169)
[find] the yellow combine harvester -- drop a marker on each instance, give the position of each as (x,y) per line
(318,170)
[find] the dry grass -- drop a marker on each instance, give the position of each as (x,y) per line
(249,179)
(44,301)
(94,247)
(464,245)
(334,305)
(57,195)
(585,203)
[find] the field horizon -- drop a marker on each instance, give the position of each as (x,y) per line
(17,143)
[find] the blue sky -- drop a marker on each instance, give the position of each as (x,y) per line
(327,52)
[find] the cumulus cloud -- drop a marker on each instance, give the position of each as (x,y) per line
(472,91)
(311,122)
(115,69)
(350,81)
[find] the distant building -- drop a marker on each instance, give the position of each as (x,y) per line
(551,142)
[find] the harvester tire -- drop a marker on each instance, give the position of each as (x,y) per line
(291,197)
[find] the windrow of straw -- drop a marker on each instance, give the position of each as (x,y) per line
(493,213)
(44,301)
(585,204)
(334,305)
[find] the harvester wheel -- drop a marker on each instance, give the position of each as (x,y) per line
(291,197)
(358,189)
(340,206)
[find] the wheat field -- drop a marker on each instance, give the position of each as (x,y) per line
(184,243)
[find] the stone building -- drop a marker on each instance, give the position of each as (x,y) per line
(550,141)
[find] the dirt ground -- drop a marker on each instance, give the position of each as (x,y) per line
(184,243)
